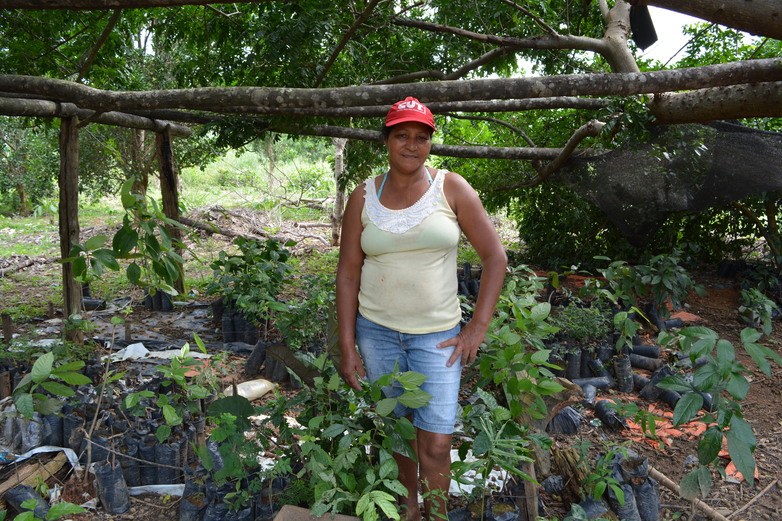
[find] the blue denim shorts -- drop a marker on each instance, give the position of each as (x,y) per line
(381,348)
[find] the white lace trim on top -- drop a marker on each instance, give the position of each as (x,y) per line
(399,221)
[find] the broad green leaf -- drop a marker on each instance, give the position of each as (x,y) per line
(124,240)
(163,432)
(385,406)
(388,469)
(24,404)
(59,510)
(42,368)
(415,399)
(738,386)
(72,378)
(93,243)
(696,483)
(57,389)
(741,444)
(49,406)
(333,430)
(106,259)
(547,387)
(134,273)
(411,379)
(686,408)
(725,351)
(481,444)
(386,503)
(709,445)
(675,383)
(749,335)
(540,311)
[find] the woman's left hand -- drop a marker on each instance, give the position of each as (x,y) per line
(467,342)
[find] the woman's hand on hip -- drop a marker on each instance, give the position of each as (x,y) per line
(466,344)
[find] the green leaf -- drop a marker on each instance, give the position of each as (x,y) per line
(388,469)
(738,386)
(741,444)
(386,503)
(333,430)
(42,368)
(134,273)
(709,445)
(171,415)
(696,483)
(93,243)
(415,399)
(106,259)
(540,311)
(725,351)
(128,198)
(24,404)
(411,380)
(58,389)
(686,408)
(385,406)
(163,432)
(71,378)
(481,444)
(124,240)
(675,383)
(749,335)
(59,510)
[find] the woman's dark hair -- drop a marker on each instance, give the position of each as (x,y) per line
(385,131)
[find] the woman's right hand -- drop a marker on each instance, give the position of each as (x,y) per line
(351,369)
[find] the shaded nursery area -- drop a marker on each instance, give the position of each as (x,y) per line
(610,395)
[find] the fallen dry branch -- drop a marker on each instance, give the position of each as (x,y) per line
(668,482)
(757,496)
(213,228)
(26,263)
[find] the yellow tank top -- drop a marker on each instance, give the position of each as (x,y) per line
(408,281)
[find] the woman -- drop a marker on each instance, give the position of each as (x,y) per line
(397,288)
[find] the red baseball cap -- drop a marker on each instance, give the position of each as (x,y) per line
(410,109)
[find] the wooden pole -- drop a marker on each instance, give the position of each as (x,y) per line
(68,181)
(169,189)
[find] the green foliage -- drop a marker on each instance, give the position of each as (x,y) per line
(181,396)
(582,323)
(346,441)
(661,280)
(304,324)
(722,377)
(497,442)
(757,309)
(251,279)
(626,326)
(515,358)
(599,478)
(43,388)
(57,511)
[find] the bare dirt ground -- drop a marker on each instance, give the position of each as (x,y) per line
(717,309)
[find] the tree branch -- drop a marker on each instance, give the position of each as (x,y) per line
(734,73)
(90,57)
(99,5)
(345,39)
(546,27)
(51,109)
(760,17)
(730,102)
(590,129)
(483,152)
(582,43)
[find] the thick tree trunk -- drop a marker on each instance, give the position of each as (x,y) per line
(68,181)
(759,17)
(24,203)
(169,189)
(339,199)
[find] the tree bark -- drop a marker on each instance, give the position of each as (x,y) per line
(759,17)
(733,102)
(339,199)
(68,181)
(618,84)
(169,191)
(51,109)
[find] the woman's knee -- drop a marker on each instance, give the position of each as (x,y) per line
(434,446)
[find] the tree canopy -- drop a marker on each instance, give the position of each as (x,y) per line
(519,88)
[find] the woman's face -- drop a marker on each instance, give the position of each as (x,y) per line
(408,145)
